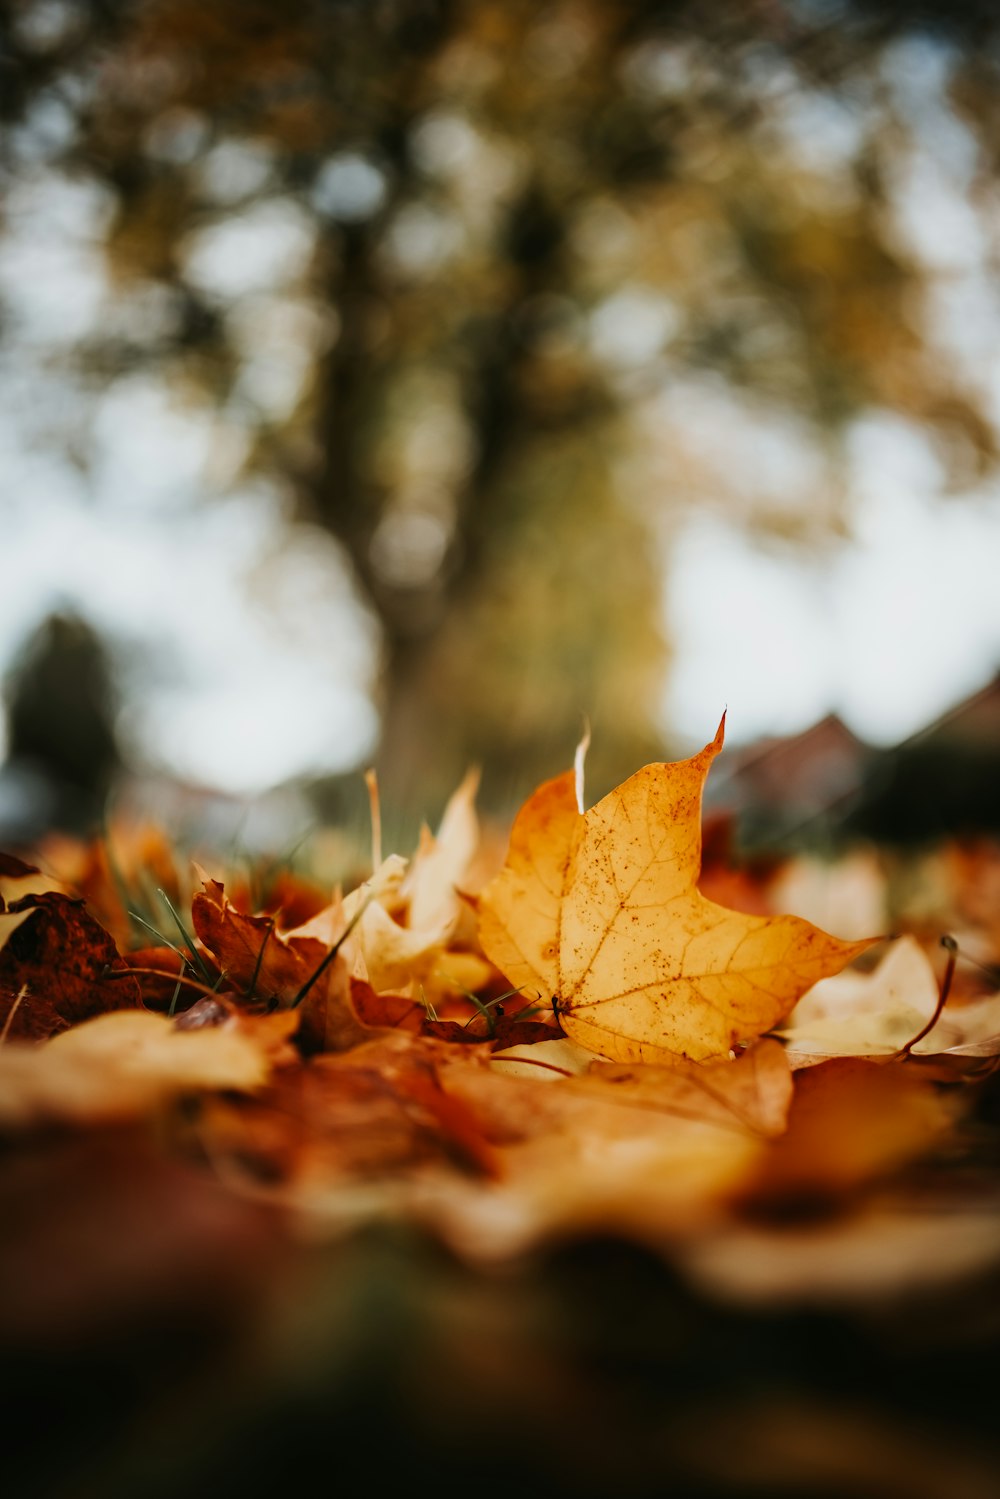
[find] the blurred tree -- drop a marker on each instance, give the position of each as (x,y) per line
(60,719)
(434,263)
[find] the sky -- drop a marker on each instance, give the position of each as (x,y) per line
(247,656)
(253,659)
(889,629)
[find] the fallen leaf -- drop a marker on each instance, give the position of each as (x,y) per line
(343,1133)
(393,956)
(852,1121)
(416,1129)
(58,966)
(254,956)
(131,1062)
(18,879)
(440,866)
(600,912)
(751,1095)
(643,1151)
(878,1013)
(396,956)
(302,967)
(866,1014)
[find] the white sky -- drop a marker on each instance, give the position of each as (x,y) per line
(247,657)
(889,633)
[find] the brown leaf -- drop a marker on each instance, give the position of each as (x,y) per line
(302,967)
(510,1030)
(56,967)
(158,970)
(344,1133)
(388,1011)
(250,950)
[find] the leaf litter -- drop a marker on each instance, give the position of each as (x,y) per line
(575,1044)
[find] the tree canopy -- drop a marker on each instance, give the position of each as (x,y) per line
(488,290)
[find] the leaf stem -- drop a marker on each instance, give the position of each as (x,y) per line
(951,947)
(533,1062)
(162,973)
(375,809)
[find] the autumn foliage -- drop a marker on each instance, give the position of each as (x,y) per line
(511,1053)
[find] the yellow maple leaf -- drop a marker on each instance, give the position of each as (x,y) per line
(599,911)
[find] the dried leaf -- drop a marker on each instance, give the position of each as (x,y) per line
(601,912)
(393,955)
(441,863)
(303,966)
(865,1014)
(877,1013)
(250,950)
(750,1095)
(345,1131)
(646,1152)
(498,1162)
(129,1063)
(851,1122)
(58,966)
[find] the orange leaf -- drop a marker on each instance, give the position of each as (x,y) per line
(600,912)
(250,950)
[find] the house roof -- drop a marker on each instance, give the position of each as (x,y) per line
(808,771)
(973,723)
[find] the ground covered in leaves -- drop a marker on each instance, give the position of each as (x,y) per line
(584,1163)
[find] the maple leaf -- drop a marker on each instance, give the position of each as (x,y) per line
(600,912)
(418,955)
(392,956)
(250,950)
(285,968)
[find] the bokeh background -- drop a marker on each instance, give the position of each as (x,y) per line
(403,382)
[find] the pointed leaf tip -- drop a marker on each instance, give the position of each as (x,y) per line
(601,911)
